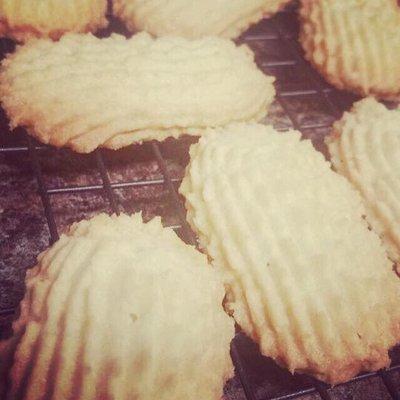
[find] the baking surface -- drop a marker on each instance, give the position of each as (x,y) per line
(73,186)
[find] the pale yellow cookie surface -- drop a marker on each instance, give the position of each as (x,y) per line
(354,44)
(309,282)
(83,92)
(26,19)
(194,19)
(365,148)
(118,309)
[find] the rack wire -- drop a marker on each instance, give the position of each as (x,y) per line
(277,51)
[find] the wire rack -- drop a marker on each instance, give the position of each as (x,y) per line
(304,102)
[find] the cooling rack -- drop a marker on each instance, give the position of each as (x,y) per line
(43,190)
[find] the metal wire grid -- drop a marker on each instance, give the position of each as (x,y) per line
(272,30)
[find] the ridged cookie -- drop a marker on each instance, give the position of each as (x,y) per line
(194,19)
(354,44)
(309,282)
(118,309)
(365,148)
(25,19)
(83,92)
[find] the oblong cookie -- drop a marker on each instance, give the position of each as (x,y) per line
(26,19)
(194,19)
(309,282)
(83,92)
(354,44)
(118,309)
(365,148)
